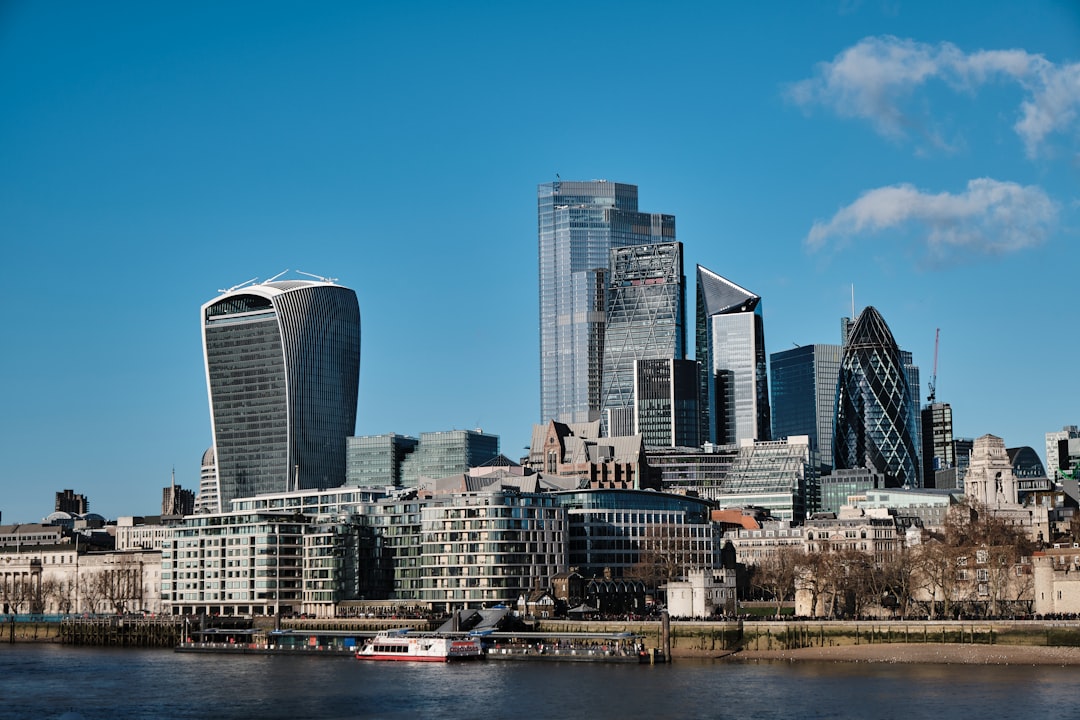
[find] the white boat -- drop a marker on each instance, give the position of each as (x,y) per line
(423,647)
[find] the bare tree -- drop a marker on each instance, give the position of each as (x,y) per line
(936,567)
(775,575)
(666,552)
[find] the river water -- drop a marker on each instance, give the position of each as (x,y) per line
(76,683)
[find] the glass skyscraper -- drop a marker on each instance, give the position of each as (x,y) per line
(282,370)
(578,225)
(875,414)
(666,412)
(803,382)
(645,321)
(730,348)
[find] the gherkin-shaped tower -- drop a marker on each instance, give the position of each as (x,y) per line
(875,419)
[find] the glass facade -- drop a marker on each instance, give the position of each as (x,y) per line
(645,319)
(939,453)
(442,454)
(377,459)
(578,225)
(731,350)
(282,367)
(875,424)
(666,403)
(803,384)
(780,476)
(609,529)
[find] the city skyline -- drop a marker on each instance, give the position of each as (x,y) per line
(923,154)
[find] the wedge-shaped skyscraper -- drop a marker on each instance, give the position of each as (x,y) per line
(875,417)
(282,371)
(730,348)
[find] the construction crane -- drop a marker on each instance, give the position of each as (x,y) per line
(933,377)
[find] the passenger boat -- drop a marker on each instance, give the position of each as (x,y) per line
(424,647)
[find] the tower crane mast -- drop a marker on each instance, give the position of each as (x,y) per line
(933,377)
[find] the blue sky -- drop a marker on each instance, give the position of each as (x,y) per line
(927,154)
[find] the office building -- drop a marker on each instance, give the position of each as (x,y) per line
(176,501)
(730,348)
(374,460)
(803,384)
(207,500)
(837,488)
(875,426)
(692,470)
(578,225)
(646,320)
(1057,452)
(939,450)
(666,403)
(439,454)
(282,370)
(780,476)
(617,532)
(72,502)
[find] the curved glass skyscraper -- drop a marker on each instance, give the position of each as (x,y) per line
(875,418)
(282,371)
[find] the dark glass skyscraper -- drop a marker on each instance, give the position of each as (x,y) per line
(803,383)
(730,348)
(645,321)
(578,225)
(875,417)
(282,371)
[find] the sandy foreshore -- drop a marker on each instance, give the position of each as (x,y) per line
(955,654)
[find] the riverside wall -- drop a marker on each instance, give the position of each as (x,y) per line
(710,639)
(687,638)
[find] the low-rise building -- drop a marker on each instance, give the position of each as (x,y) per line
(702,594)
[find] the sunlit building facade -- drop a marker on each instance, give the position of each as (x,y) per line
(730,348)
(282,370)
(578,225)
(875,416)
(646,320)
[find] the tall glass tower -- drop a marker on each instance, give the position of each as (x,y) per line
(875,414)
(578,225)
(730,348)
(803,383)
(282,370)
(646,320)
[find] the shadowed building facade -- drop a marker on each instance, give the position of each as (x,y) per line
(803,384)
(282,370)
(875,417)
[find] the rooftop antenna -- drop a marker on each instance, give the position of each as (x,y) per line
(237,287)
(318,277)
(276,276)
(853,302)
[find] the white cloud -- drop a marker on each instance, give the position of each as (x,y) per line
(988,218)
(872,79)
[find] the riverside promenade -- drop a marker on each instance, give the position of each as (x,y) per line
(918,641)
(855,640)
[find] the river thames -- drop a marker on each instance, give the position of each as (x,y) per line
(77,683)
